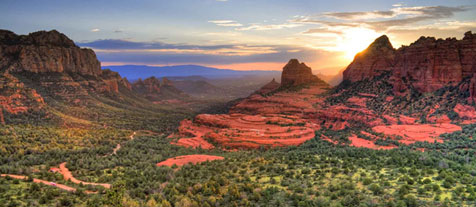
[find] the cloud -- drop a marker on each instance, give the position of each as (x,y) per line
(95,30)
(360,15)
(399,16)
(118,31)
(262,27)
(157,53)
(322,31)
(119,44)
(226,23)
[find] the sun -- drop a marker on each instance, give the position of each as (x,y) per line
(355,40)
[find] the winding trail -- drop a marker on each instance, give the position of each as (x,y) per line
(60,186)
(118,146)
(67,175)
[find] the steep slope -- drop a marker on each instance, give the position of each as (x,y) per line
(47,79)
(363,111)
(378,57)
(426,65)
(276,115)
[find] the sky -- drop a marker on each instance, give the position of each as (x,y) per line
(238,34)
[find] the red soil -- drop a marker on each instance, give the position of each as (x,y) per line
(60,186)
(186,159)
(359,142)
(443,119)
(468,113)
(418,132)
(324,137)
(67,175)
(357,101)
(257,121)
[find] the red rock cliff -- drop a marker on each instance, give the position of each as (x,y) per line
(427,64)
(378,57)
(43,51)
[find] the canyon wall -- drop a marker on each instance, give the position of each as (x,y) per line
(427,64)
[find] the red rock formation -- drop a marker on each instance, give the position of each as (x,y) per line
(427,64)
(42,52)
(155,90)
(52,60)
(269,87)
(147,86)
(378,57)
(166,82)
(295,73)
(472,88)
(53,64)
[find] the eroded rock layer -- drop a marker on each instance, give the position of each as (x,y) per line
(49,64)
(295,74)
(426,65)
(261,120)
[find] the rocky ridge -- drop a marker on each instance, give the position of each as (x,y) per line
(155,90)
(425,65)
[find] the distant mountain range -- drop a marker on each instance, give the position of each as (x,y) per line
(134,72)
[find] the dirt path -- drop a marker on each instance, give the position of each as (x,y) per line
(67,175)
(118,146)
(60,186)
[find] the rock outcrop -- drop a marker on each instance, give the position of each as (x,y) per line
(49,64)
(378,57)
(147,86)
(472,88)
(295,74)
(426,65)
(154,90)
(50,59)
(269,87)
(43,52)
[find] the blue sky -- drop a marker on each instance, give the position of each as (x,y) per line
(238,34)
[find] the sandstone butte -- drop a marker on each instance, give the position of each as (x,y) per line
(275,117)
(262,119)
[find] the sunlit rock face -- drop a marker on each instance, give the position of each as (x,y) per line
(295,73)
(49,64)
(378,57)
(426,65)
(43,51)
